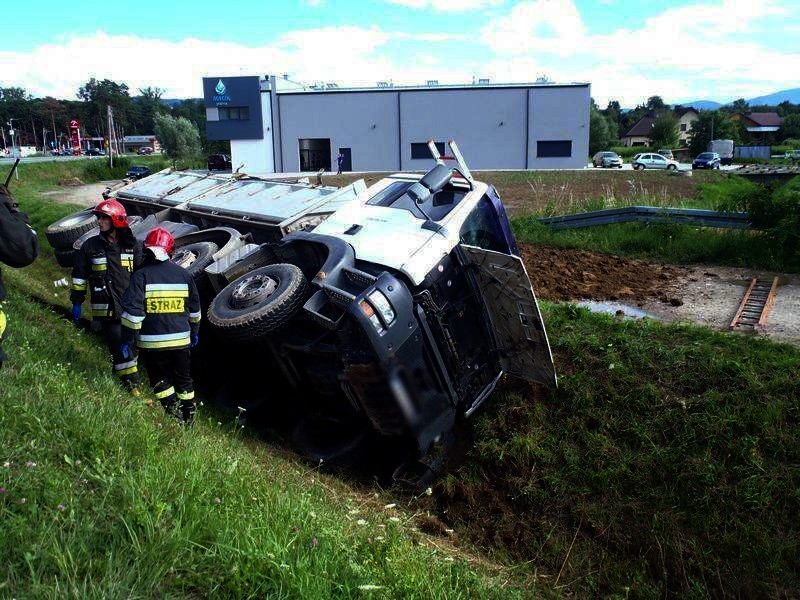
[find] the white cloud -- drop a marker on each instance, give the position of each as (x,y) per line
(679,53)
(345,54)
(447,5)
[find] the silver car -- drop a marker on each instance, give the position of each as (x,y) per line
(607,159)
(654,161)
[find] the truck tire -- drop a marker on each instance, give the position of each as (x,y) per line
(63,233)
(333,447)
(195,258)
(65,258)
(258,303)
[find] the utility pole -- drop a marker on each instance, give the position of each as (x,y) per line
(12,132)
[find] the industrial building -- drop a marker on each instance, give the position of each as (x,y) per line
(276,127)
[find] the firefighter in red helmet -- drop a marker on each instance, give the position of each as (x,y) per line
(161,313)
(103,267)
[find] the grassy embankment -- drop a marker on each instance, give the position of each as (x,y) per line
(103,497)
(665,463)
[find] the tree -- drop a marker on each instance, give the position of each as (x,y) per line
(740,105)
(790,127)
(711,121)
(144,109)
(179,138)
(664,133)
(598,132)
(98,96)
(655,103)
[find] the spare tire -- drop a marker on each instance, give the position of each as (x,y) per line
(63,233)
(65,258)
(258,303)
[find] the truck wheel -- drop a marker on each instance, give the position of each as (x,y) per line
(65,258)
(195,258)
(63,233)
(335,447)
(258,303)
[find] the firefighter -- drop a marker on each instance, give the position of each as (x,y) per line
(103,266)
(161,313)
(19,247)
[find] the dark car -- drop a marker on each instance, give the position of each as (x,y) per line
(94,152)
(145,150)
(219,162)
(138,171)
(706,160)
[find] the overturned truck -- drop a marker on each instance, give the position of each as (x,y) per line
(390,311)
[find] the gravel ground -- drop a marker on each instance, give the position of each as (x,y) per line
(711,296)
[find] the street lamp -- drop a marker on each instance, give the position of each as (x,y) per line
(12,132)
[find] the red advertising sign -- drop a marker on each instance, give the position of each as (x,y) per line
(75,136)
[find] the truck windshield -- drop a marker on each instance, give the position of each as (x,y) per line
(482,228)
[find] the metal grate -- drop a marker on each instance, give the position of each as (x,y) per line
(755,306)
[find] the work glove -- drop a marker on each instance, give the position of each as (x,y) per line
(195,339)
(125,350)
(77,310)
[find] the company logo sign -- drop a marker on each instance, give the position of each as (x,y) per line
(220,95)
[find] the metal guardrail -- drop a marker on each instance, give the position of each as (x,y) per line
(650,214)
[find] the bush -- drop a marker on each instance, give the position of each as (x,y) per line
(631,151)
(732,194)
(784,218)
(100,170)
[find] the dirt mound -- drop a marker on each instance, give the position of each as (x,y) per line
(567,274)
(70,182)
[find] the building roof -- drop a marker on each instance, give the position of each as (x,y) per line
(428,88)
(641,128)
(765,119)
(682,110)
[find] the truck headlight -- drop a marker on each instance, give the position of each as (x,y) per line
(306,223)
(381,303)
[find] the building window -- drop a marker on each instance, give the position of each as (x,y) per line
(234,113)
(683,126)
(420,150)
(553,149)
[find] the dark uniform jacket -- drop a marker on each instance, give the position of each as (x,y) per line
(162,306)
(104,269)
(19,246)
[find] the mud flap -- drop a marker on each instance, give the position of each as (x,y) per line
(517,323)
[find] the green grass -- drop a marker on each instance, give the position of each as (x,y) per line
(666,242)
(665,464)
(123,502)
(669,454)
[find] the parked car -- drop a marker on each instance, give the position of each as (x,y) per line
(145,150)
(94,152)
(706,160)
(219,162)
(653,161)
(138,171)
(666,154)
(607,159)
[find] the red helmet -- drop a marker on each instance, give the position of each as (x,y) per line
(113,209)
(160,242)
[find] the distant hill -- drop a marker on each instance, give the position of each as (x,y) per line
(702,104)
(176,101)
(776,98)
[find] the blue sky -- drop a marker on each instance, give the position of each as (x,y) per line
(682,50)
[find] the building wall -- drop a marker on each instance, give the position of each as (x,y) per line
(559,113)
(687,119)
(487,124)
(255,156)
(364,122)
